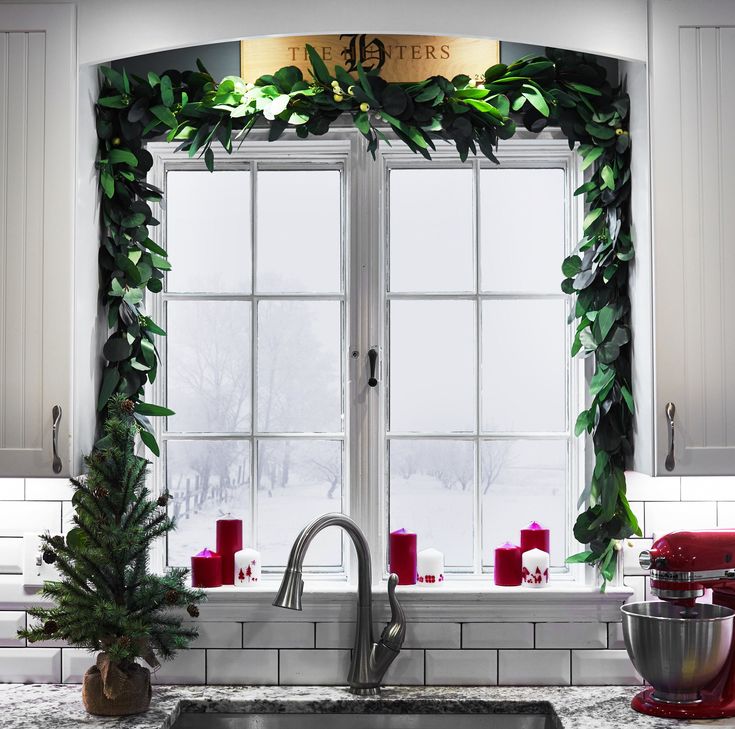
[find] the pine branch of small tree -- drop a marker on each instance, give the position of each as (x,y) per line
(107,599)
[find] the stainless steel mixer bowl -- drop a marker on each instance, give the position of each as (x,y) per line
(678,651)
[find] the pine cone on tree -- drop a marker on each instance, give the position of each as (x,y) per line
(48,556)
(50,627)
(57,541)
(100,492)
(124,641)
(193,610)
(172,597)
(127,406)
(163,499)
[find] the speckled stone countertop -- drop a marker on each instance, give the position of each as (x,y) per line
(48,706)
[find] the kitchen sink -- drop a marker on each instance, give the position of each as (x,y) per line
(363,721)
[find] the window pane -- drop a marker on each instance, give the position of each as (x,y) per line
(431,230)
(299,231)
(432,493)
(209,366)
(523,481)
(299,380)
(298,481)
(522,229)
(208,231)
(432,366)
(524,362)
(208,479)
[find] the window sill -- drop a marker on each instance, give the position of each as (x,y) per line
(452,602)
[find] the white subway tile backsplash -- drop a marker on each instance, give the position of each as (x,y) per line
(534,668)
(428,635)
(708,488)
(603,668)
(314,667)
(335,635)
(632,549)
(11,621)
(12,489)
(571,635)
(11,555)
(242,667)
(663,518)
(278,635)
(17,517)
(497,635)
(48,489)
(640,487)
(30,665)
(406,670)
(189,667)
(216,635)
(461,668)
(74,664)
(638,585)
(615,640)
(726,514)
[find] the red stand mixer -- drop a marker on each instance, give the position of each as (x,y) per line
(686,649)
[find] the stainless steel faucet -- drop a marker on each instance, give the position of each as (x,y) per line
(370,660)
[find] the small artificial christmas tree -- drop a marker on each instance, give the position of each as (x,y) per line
(107,599)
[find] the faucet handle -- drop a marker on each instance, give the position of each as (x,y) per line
(394,632)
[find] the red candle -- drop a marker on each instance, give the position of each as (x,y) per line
(534,536)
(403,556)
(229,541)
(206,569)
(508,565)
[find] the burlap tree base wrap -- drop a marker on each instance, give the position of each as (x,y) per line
(110,689)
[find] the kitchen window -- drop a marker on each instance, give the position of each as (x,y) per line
(290,263)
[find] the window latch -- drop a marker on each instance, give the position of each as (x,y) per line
(373,360)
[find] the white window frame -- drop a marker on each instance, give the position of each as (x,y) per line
(365,446)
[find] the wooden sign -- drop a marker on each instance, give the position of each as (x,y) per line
(400,57)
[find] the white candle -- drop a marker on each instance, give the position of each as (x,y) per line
(430,567)
(535,568)
(247,567)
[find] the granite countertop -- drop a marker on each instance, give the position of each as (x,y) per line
(53,706)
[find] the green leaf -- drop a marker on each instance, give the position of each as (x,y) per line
(110,380)
(146,408)
(362,122)
(107,181)
(604,322)
(628,397)
(167,92)
(536,98)
(581,557)
(133,296)
(164,115)
(571,266)
(153,79)
(590,218)
(113,102)
(150,442)
(116,349)
(318,66)
(608,177)
(151,246)
(593,155)
(583,422)
(122,156)
(600,131)
(583,89)
(76,539)
(602,380)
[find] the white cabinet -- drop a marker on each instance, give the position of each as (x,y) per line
(37,175)
(692,82)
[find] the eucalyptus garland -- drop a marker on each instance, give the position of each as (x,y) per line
(563,89)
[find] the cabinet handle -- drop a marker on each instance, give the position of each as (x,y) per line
(670,413)
(56,414)
(373,357)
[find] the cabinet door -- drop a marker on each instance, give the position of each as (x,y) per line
(693,182)
(37,103)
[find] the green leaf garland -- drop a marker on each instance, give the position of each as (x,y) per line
(563,89)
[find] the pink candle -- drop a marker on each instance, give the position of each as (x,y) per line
(403,556)
(508,564)
(229,541)
(206,569)
(534,536)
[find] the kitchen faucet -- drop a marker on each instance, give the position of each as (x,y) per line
(370,660)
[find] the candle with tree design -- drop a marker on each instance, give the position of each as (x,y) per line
(247,567)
